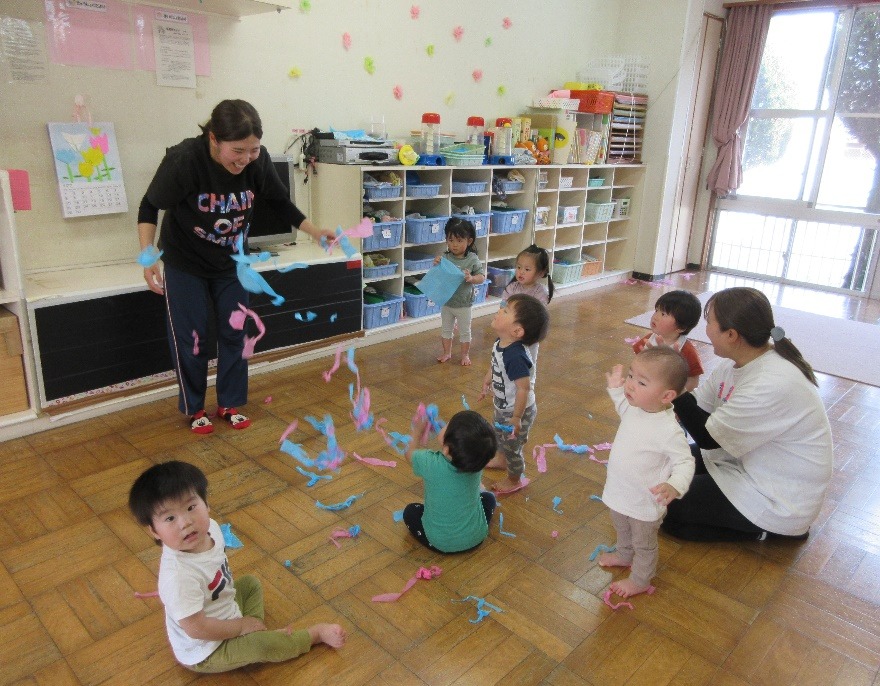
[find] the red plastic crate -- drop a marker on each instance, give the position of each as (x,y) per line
(595,102)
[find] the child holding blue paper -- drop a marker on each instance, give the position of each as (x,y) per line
(456,513)
(460,251)
(214,623)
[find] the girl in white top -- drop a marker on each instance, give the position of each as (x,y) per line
(765,438)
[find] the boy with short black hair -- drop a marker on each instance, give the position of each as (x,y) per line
(520,322)
(650,462)
(214,624)
(676,313)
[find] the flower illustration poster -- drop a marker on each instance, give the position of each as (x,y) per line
(88,168)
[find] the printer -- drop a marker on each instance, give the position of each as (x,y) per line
(353,151)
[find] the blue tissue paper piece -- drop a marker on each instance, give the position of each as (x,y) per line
(441,282)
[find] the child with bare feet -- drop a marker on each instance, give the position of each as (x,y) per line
(214,624)
(520,322)
(460,250)
(650,463)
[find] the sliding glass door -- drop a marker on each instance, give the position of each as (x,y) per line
(808,209)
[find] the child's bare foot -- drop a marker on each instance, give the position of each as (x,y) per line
(509,485)
(497,462)
(331,634)
(465,361)
(626,588)
(612,560)
(445,357)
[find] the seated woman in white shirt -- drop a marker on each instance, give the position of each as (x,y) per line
(765,461)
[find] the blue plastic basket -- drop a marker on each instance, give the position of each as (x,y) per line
(382,192)
(469,186)
(385,235)
(380,314)
(422,190)
(508,221)
(416,261)
(511,186)
(419,305)
(480,221)
(384,270)
(427,230)
(480,291)
(498,278)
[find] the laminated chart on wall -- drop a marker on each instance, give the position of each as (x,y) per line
(88,168)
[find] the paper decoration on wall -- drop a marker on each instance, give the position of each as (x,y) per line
(346,40)
(398,92)
(89,33)
(506,23)
(457,33)
(414,12)
(477,75)
(449,99)
(305,6)
(488,42)
(88,169)
(369,65)
(502,90)
(294,72)
(430,50)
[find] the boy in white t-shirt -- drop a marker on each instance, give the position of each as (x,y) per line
(214,624)
(650,463)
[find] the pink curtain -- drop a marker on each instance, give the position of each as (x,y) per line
(740,61)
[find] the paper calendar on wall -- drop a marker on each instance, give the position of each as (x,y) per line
(88,168)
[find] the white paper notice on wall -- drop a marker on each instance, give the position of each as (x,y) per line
(88,168)
(175,54)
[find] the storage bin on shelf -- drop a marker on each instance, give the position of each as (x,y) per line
(426,230)
(381,309)
(385,235)
(566,272)
(480,291)
(469,186)
(481,222)
(568,214)
(596,183)
(498,278)
(566,182)
(594,102)
(417,261)
(592,265)
(598,211)
(463,154)
(422,190)
(381,191)
(510,186)
(505,220)
(384,270)
(418,304)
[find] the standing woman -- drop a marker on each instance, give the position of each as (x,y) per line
(766,443)
(207,186)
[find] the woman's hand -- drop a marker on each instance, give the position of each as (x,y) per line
(153,277)
(315,232)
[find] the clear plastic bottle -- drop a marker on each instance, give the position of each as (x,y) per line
(430,133)
(503,139)
(475,128)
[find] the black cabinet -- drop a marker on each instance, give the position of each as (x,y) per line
(90,344)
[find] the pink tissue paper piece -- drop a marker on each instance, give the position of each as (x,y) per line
(596,459)
(607,598)
(267,399)
(376,462)
(423,573)
(506,23)
(539,454)
(414,11)
(289,430)
(477,75)
(236,321)
(554,534)
(457,33)
(195,342)
(150,594)
(362,230)
(398,92)
(602,446)
(346,40)
(339,533)
(631,339)
(330,372)
(523,482)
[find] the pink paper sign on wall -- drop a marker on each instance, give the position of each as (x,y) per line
(144,17)
(91,33)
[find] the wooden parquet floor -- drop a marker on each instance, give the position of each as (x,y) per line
(777,613)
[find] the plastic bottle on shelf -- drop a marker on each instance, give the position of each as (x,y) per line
(475,128)
(430,133)
(503,139)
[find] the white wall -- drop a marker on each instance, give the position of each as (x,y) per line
(547,43)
